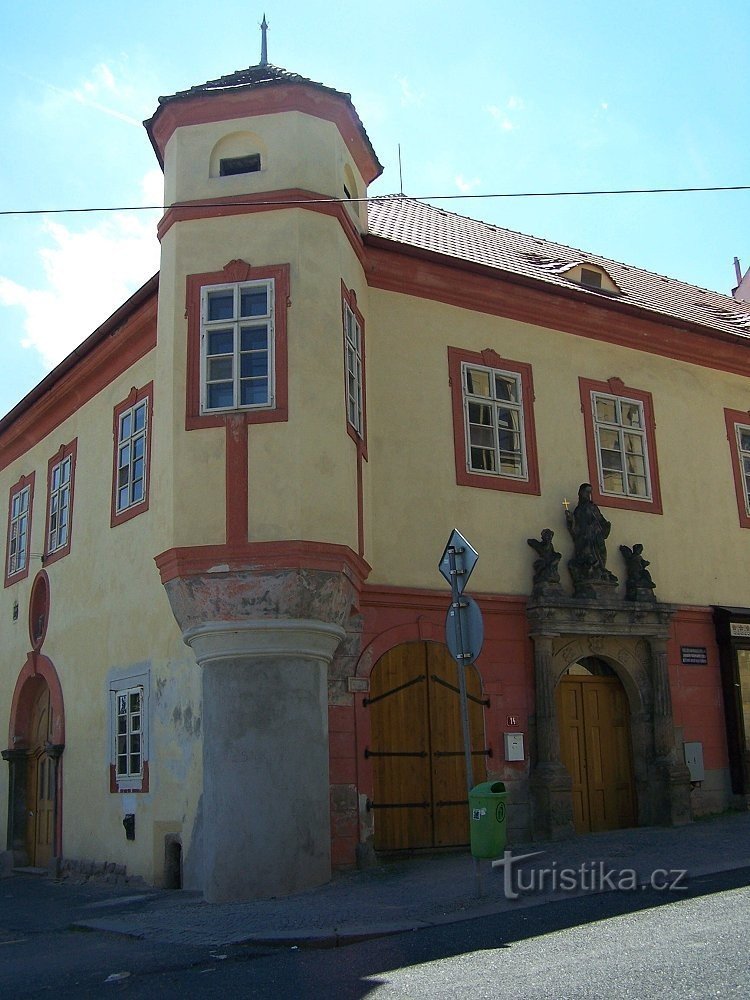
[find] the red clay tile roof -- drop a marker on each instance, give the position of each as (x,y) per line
(417,224)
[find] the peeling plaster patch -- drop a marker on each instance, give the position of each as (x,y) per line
(221,568)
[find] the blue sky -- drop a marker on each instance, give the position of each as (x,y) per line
(493,97)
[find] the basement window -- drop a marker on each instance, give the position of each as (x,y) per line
(239,165)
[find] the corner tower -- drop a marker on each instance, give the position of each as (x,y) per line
(260,131)
(261,259)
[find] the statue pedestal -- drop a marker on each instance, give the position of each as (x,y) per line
(596,590)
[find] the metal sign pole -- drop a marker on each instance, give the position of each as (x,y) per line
(456,599)
(461,659)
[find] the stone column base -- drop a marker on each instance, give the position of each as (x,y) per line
(265,755)
(552,802)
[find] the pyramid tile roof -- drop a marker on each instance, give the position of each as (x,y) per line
(259,77)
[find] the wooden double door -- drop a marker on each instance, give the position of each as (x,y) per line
(417,750)
(41,777)
(594,718)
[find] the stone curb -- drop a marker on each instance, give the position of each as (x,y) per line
(334,938)
(338,936)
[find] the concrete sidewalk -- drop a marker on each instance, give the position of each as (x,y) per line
(426,891)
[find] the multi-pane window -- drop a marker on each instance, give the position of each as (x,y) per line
(58,529)
(493,417)
(129,733)
(237,346)
(621,446)
(18,533)
(132,438)
(353,347)
(743,455)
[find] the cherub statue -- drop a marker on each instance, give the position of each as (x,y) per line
(638,586)
(546,575)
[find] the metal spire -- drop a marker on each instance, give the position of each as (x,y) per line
(263,43)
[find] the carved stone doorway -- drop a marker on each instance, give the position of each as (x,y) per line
(632,641)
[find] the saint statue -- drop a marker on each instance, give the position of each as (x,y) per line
(589,530)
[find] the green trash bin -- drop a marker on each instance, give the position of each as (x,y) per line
(487,819)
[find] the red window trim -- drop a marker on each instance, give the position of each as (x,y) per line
(491,359)
(616,387)
(733,418)
(21,574)
(120,786)
(64,452)
(234,271)
(349,297)
(133,397)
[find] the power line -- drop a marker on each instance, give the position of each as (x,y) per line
(376,198)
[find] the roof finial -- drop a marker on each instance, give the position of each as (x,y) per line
(263,43)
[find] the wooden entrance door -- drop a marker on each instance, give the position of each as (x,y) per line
(40,788)
(419,774)
(595,747)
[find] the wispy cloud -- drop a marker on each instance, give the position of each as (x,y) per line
(505,115)
(409,96)
(467,186)
(101,92)
(88,274)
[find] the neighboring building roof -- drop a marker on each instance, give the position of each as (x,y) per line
(416,224)
(108,329)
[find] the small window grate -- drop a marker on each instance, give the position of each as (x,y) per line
(239,165)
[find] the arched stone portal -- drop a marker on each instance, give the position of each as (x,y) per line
(36,740)
(633,641)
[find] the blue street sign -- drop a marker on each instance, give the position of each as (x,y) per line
(459,553)
(464,630)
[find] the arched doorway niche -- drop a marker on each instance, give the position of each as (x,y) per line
(634,646)
(36,740)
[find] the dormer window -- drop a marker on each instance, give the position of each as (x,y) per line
(231,165)
(591,278)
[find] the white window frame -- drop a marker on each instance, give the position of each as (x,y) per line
(495,405)
(59,505)
(19,531)
(622,428)
(128,444)
(354,368)
(235,356)
(743,457)
(131,778)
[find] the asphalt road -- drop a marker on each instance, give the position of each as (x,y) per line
(644,944)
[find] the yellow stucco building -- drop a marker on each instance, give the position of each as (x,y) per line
(223,642)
